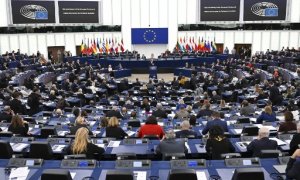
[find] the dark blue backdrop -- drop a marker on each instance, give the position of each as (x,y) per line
(149,35)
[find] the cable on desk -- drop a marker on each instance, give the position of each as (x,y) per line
(276,176)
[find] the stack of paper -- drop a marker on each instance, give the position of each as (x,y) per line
(279,142)
(201,175)
(19,147)
(114,144)
(19,173)
(130,133)
(140,175)
(58,148)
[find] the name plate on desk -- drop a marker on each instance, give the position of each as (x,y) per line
(78,163)
(242,162)
(190,163)
(136,164)
(103,140)
(59,140)
(15,139)
(22,162)
(134,141)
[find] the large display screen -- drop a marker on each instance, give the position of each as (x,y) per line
(149,35)
(78,11)
(220,10)
(33,11)
(258,10)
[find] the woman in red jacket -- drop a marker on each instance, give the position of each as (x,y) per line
(151,128)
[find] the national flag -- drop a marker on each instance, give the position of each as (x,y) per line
(103,46)
(202,44)
(214,46)
(107,46)
(94,47)
(199,45)
(82,47)
(112,45)
(122,45)
(116,46)
(178,46)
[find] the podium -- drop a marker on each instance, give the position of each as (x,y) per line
(153,72)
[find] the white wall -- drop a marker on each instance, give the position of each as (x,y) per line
(30,43)
(156,13)
(260,40)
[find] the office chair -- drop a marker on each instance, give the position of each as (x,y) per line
(270,153)
(48,131)
(39,149)
(169,156)
(6,150)
(58,174)
(179,174)
(250,130)
(6,134)
(119,175)
(151,137)
(243,120)
(135,123)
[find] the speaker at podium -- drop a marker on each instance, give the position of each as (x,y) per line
(153,72)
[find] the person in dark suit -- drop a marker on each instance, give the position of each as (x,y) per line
(215,97)
(185,131)
(169,144)
(16,105)
(34,101)
(293,166)
(275,96)
(294,144)
(113,130)
(216,121)
(80,122)
(114,112)
(261,143)
(267,115)
(247,109)
(81,145)
(205,111)
(18,126)
(217,144)
(289,124)
(159,113)
(7,114)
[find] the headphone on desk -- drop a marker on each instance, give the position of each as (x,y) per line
(215,177)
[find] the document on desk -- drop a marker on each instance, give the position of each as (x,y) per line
(114,144)
(73,174)
(130,133)
(140,175)
(4,129)
(288,141)
(271,128)
(188,147)
(62,133)
(18,147)
(201,175)
(19,173)
(57,148)
(238,131)
(279,142)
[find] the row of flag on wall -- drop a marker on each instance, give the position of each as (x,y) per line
(190,44)
(96,46)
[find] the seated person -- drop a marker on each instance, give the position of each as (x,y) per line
(104,122)
(80,122)
(114,112)
(185,131)
(18,126)
(169,144)
(289,123)
(193,120)
(247,109)
(205,111)
(7,114)
(217,143)
(182,113)
(81,145)
(151,128)
(215,97)
(261,143)
(113,130)
(293,166)
(159,113)
(295,140)
(216,121)
(267,115)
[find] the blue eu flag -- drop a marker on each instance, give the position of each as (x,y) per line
(149,35)
(41,15)
(271,12)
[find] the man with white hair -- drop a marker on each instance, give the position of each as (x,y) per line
(295,140)
(159,113)
(185,131)
(262,142)
(170,145)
